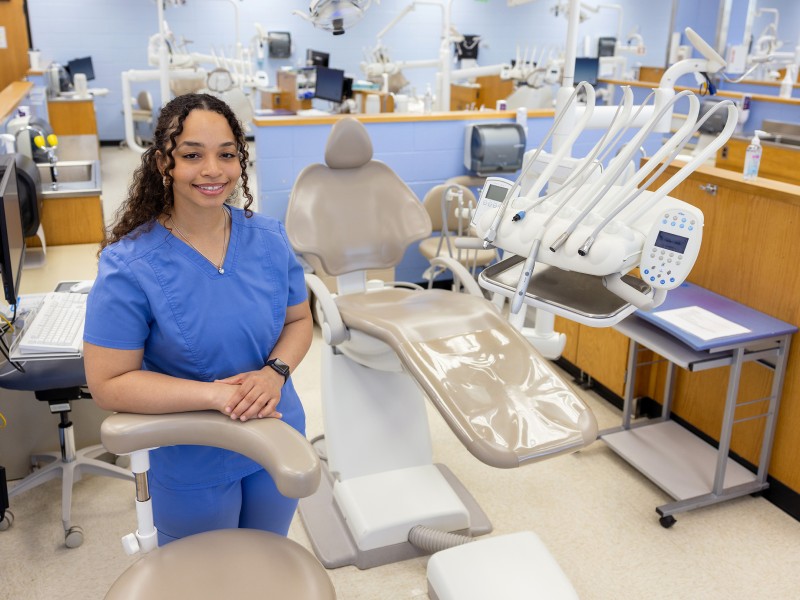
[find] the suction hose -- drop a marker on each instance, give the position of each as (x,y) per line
(433,540)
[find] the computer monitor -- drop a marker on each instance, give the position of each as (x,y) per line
(329,85)
(315,58)
(586,70)
(12,240)
(347,90)
(81,65)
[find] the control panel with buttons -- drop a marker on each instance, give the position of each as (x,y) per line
(671,248)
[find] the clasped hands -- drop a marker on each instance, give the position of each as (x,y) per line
(255,394)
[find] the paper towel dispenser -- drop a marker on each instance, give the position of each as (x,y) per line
(494,148)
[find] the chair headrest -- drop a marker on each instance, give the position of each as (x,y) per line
(348,145)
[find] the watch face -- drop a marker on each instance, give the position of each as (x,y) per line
(280,366)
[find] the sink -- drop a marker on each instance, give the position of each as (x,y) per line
(74,178)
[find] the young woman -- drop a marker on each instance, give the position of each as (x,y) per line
(199,305)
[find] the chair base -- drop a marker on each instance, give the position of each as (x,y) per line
(334,545)
(83,461)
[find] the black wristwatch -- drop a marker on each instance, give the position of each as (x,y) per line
(280,366)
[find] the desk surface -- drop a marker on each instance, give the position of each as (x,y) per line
(72,262)
(761,325)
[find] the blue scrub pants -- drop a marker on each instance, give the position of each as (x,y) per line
(253,502)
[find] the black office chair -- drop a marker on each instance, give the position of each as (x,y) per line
(60,382)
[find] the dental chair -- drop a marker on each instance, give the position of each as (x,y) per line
(387,347)
(226,563)
(450,208)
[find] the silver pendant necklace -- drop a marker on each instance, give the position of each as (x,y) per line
(219,268)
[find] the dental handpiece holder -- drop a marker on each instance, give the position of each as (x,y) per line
(597,288)
(572,251)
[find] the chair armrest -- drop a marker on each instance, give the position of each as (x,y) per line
(333,330)
(280,449)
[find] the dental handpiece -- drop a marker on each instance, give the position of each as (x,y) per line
(525,278)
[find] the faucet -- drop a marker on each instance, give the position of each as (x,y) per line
(48,143)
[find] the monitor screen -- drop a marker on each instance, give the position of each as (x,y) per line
(586,70)
(12,240)
(81,65)
(347,92)
(329,85)
(315,58)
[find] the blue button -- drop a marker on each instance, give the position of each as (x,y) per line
(691,228)
(663,282)
(652,279)
(682,225)
(672,280)
(664,222)
(683,220)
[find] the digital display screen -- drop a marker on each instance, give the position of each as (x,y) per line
(329,85)
(672,242)
(496,192)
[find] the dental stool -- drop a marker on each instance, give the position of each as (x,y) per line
(388,347)
(227,563)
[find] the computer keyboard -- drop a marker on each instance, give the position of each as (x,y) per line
(57,325)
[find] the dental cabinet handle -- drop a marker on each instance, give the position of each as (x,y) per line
(709,188)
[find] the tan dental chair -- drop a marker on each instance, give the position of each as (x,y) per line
(449,207)
(385,345)
(227,563)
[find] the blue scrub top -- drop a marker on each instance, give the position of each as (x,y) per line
(155,292)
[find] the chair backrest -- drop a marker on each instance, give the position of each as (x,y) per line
(144,100)
(433,205)
(353,213)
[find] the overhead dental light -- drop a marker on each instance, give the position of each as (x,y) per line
(335,15)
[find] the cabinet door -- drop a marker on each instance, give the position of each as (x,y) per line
(603,354)
(72,117)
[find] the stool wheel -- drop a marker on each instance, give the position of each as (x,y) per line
(667,521)
(73,537)
(8,520)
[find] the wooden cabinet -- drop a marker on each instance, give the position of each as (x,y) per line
(77,220)
(750,241)
(777,162)
(72,117)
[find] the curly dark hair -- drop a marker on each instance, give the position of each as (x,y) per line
(150,192)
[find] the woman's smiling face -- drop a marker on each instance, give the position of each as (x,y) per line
(207,166)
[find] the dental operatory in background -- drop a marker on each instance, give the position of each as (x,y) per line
(473,200)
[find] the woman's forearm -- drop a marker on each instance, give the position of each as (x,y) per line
(146,392)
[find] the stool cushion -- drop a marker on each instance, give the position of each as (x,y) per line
(227,563)
(517,566)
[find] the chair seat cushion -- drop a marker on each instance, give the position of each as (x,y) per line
(227,563)
(503,400)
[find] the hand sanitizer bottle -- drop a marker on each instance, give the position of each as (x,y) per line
(752,156)
(427,100)
(786,84)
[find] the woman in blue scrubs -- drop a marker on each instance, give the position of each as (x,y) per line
(199,305)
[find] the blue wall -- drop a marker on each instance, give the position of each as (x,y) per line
(115,33)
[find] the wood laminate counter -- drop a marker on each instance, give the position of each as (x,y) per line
(466,115)
(11,96)
(721,93)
